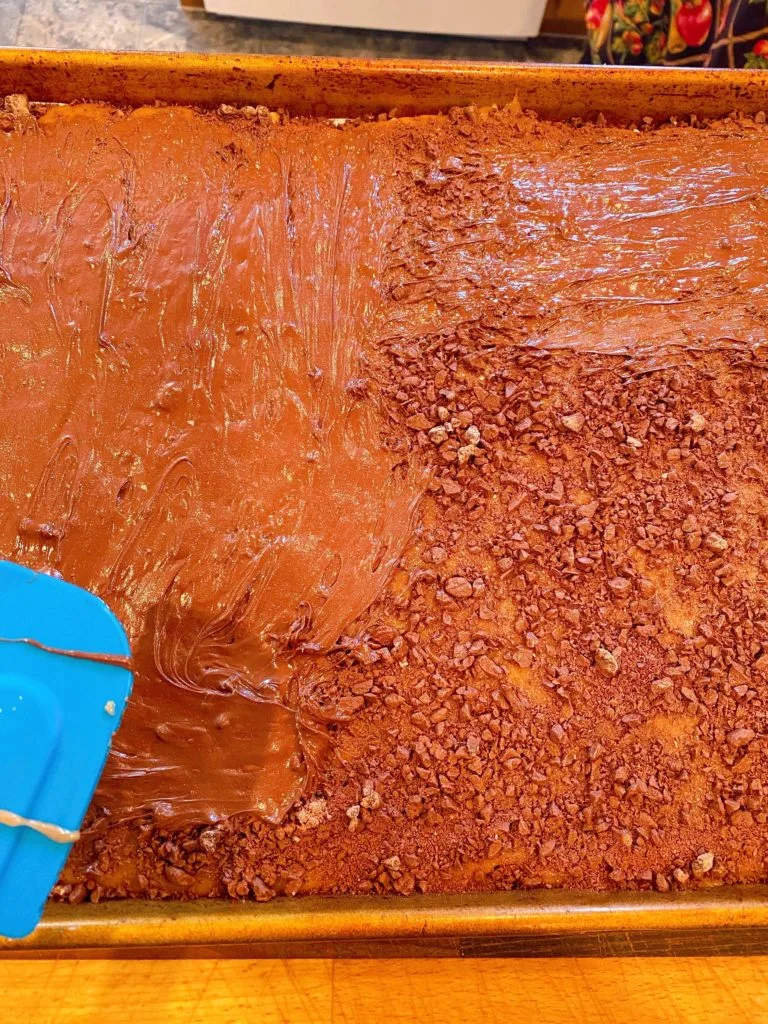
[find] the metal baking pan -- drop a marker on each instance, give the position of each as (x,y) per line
(729,919)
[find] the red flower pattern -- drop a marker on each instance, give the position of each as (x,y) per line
(713,33)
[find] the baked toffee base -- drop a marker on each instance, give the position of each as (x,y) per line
(552,671)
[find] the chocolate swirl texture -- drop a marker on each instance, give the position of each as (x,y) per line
(183,354)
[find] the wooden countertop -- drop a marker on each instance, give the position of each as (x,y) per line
(686,990)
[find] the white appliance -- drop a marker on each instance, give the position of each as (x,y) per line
(500,19)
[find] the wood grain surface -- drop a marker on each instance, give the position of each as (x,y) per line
(690,990)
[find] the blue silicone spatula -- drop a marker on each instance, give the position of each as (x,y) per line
(64,681)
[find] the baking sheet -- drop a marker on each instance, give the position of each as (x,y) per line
(533,921)
(331,86)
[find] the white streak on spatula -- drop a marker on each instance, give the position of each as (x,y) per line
(45,828)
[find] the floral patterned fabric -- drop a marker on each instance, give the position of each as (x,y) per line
(705,33)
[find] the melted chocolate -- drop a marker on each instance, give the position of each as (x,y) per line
(185,312)
(119,660)
(609,241)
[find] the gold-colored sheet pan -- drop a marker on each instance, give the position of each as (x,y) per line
(720,919)
(343,87)
(726,919)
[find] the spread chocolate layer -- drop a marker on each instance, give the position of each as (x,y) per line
(183,366)
(422,460)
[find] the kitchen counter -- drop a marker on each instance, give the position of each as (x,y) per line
(688,989)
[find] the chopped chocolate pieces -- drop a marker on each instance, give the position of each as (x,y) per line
(714,542)
(702,864)
(620,586)
(740,737)
(418,422)
(523,657)
(606,661)
(489,667)
(574,422)
(458,586)
(697,423)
